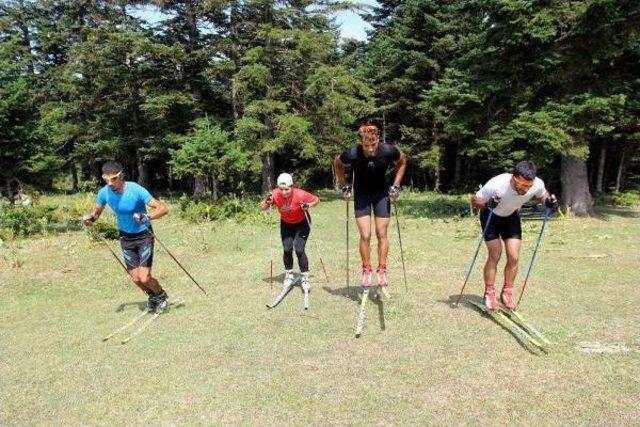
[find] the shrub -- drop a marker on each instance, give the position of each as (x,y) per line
(23,221)
(626,199)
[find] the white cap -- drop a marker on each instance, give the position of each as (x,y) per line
(285,180)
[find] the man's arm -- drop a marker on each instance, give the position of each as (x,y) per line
(479,202)
(339,168)
(401,167)
(93,216)
(158,209)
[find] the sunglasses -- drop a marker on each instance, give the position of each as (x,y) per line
(112,179)
(522,184)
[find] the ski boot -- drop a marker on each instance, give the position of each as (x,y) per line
(506,296)
(289,278)
(366,280)
(490,298)
(383,283)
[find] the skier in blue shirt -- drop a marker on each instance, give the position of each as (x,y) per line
(129,201)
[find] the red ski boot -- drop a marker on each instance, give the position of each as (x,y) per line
(507,296)
(490,298)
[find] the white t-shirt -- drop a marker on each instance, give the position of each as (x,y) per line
(510,201)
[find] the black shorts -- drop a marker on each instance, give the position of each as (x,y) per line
(380,203)
(137,249)
(506,227)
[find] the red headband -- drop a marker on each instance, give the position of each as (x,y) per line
(368,129)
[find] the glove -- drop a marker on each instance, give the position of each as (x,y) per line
(552,202)
(346,190)
(305,206)
(269,199)
(394,191)
(88,220)
(493,202)
(141,218)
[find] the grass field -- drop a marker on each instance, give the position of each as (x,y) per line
(225,359)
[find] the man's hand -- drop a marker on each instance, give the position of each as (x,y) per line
(305,206)
(268,199)
(141,218)
(346,191)
(394,192)
(494,201)
(552,202)
(88,220)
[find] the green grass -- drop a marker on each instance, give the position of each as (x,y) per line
(227,360)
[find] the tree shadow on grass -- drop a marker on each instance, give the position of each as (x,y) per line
(480,300)
(605,213)
(352,294)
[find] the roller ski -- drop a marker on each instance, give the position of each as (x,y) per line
(503,320)
(155,306)
(517,318)
(509,308)
(383,283)
(290,280)
(363,295)
(306,289)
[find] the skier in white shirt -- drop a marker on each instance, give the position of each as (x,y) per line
(504,195)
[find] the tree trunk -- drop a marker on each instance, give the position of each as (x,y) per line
(74,176)
(267,172)
(214,187)
(143,170)
(575,186)
(621,169)
(457,170)
(199,187)
(601,162)
(235,57)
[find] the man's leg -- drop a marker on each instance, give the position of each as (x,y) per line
(364,227)
(147,281)
(494,249)
(512,247)
(382,226)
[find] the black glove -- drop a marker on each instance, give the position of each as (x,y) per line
(346,190)
(88,220)
(305,206)
(394,191)
(552,202)
(268,199)
(493,202)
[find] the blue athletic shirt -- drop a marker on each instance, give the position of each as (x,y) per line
(132,200)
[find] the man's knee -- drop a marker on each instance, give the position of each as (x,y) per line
(512,259)
(381,234)
(494,256)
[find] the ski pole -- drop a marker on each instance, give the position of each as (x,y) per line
(404,270)
(547,213)
(473,261)
(176,260)
(271,225)
(124,267)
(306,216)
(346,223)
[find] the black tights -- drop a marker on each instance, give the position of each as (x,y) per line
(295,236)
